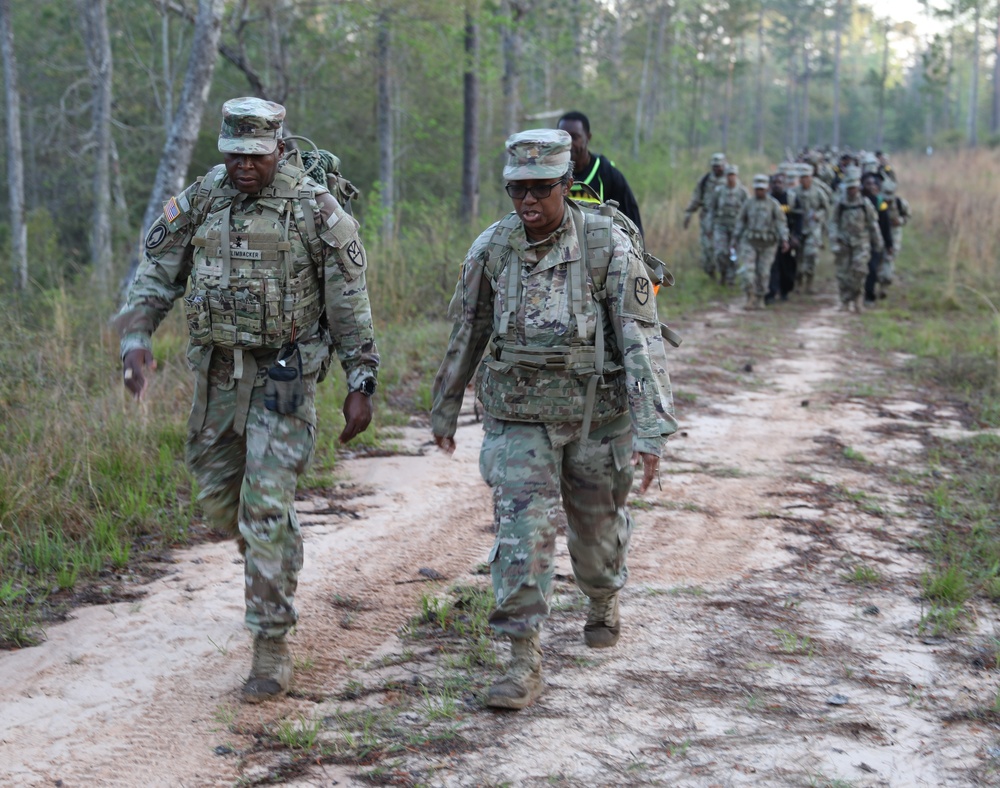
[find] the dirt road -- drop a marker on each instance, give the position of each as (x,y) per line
(771,623)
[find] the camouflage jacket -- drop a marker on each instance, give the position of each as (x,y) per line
(725,204)
(855,223)
(545,317)
(815,206)
(703,192)
(345,325)
(762,222)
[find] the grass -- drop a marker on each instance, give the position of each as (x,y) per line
(863,575)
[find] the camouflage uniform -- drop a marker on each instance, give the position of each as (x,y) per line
(703,192)
(241,310)
(760,227)
(899,214)
(724,206)
(815,206)
(535,454)
(854,233)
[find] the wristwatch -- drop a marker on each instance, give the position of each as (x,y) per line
(368,386)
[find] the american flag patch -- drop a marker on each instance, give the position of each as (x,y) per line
(171,210)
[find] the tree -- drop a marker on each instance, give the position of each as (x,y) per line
(15,157)
(183,134)
(94,26)
(469,207)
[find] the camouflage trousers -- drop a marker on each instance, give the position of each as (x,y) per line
(590,479)
(247,489)
(852,269)
(707,247)
(811,244)
(722,242)
(897,240)
(755,267)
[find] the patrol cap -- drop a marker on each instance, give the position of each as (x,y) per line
(250,125)
(850,182)
(732,169)
(761,181)
(718,158)
(888,186)
(537,153)
(805,169)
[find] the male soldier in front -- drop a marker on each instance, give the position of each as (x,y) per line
(573,381)
(277,275)
(854,233)
(783,270)
(703,191)
(595,177)
(723,208)
(761,229)
(815,207)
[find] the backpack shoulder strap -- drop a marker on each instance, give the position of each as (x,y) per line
(498,251)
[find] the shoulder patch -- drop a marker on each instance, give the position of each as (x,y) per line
(341,235)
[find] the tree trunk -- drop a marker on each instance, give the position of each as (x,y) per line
(806,73)
(837,35)
(168,73)
(15,158)
(974,88)
(758,120)
(995,110)
(94,26)
(880,131)
(179,145)
(469,208)
(640,102)
(727,111)
(384,125)
(511,34)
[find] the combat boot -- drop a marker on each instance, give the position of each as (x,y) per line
(844,306)
(522,683)
(858,299)
(760,303)
(271,673)
(751,302)
(807,280)
(604,624)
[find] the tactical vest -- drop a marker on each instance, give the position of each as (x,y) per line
(255,286)
(760,227)
(554,384)
(852,221)
(728,204)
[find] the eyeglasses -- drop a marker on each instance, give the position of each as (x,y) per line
(518,191)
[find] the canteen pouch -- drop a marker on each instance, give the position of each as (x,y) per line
(284,390)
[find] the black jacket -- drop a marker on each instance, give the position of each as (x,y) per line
(609,184)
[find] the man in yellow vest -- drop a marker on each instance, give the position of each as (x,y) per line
(595,177)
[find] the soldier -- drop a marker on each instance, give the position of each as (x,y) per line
(815,206)
(854,233)
(573,382)
(723,208)
(596,179)
(277,283)
(899,214)
(886,170)
(871,185)
(781,280)
(761,229)
(703,190)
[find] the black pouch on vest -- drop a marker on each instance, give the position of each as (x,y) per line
(284,391)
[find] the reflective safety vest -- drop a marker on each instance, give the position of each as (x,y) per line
(254,284)
(585,190)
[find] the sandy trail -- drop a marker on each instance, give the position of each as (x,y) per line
(747,656)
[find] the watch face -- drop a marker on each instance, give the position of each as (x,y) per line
(368,387)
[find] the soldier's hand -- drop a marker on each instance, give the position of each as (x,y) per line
(134,367)
(650,468)
(358,412)
(444,443)
(785,247)
(687,220)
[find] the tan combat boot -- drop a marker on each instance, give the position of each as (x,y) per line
(751,302)
(808,281)
(857,303)
(522,683)
(604,624)
(271,673)
(760,303)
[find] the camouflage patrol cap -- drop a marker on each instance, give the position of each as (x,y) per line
(250,125)
(732,169)
(761,181)
(718,158)
(537,153)
(888,187)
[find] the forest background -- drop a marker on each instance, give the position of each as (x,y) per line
(111,106)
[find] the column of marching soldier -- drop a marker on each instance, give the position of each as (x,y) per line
(768,240)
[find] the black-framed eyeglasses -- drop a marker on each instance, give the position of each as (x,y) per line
(518,191)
